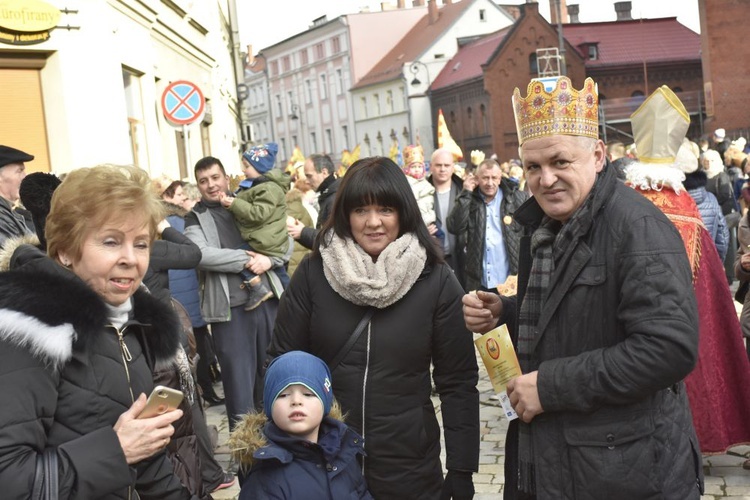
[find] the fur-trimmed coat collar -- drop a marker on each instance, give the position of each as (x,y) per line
(248,437)
(50,310)
(172,209)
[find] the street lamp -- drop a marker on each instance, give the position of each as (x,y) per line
(420,113)
(415,69)
(294,116)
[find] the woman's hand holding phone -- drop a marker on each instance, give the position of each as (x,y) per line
(141,438)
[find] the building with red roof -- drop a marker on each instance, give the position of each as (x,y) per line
(627,58)
(390,102)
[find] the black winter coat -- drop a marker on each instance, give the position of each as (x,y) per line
(459,251)
(383,384)
(12,224)
(66,380)
(469,216)
(617,335)
(173,251)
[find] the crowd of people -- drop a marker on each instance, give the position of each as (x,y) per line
(611,265)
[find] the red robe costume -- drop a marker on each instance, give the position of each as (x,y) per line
(719,386)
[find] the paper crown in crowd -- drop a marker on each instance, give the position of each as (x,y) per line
(413,154)
(477,156)
(262,157)
(659,126)
(564,111)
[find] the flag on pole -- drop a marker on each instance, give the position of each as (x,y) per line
(445,141)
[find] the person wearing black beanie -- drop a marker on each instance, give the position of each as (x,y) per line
(36,195)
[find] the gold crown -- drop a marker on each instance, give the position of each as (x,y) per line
(413,154)
(564,111)
(659,125)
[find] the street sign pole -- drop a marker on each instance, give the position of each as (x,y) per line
(183,104)
(186,144)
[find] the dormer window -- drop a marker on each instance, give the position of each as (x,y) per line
(593,52)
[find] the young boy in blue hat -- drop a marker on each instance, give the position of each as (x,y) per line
(259,209)
(299,447)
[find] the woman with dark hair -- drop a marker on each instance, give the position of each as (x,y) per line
(376,301)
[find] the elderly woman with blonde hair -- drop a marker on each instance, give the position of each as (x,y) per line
(79,341)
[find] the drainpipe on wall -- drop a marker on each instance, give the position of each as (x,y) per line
(239,69)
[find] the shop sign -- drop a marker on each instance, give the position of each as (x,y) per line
(26,22)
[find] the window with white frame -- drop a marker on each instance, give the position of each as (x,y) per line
(323,87)
(339,82)
(329,141)
(137,128)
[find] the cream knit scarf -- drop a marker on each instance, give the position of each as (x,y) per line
(353,275)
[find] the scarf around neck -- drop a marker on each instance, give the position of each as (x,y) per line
(354,276)
(549,243)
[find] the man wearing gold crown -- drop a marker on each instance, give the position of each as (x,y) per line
(718,386)
(605,321)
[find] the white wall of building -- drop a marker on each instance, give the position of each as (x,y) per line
(86,110)
(480,17)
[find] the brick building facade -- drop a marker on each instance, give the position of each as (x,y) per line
(725,52)
(627,58)
(510,66)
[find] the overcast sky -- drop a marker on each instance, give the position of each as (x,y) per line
(266,22)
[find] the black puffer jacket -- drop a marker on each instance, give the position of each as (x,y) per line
(617,334)
(173,251)
(65,380)
(469,217)
(383,384)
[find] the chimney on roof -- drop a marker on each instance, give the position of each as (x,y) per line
(529,7)
(573,13)
(623,11)
(400,4)
(553,11)
(418,3)
(432,11)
